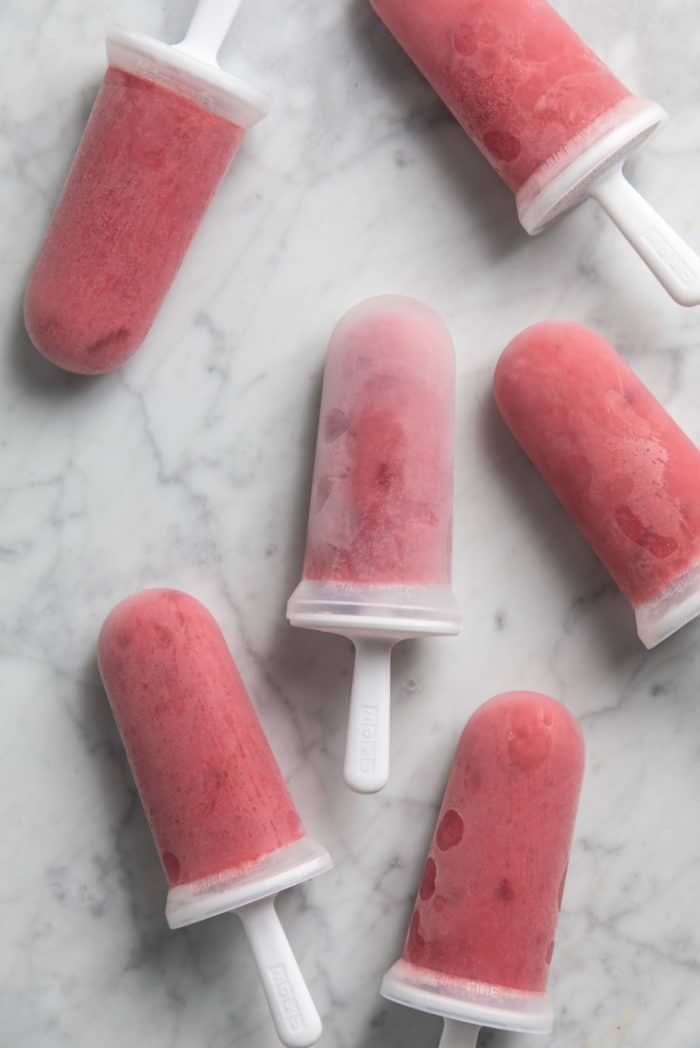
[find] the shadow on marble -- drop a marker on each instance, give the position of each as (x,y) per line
(32,372)
(546,526)
(140,876)
(394,1026)
(397,1027)
(469,178)
(310,671)
(298,507)
(502,1039)
(35,375)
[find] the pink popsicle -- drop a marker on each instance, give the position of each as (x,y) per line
(381,503)
(484,923)
(617,461)
(378,566)
(226,829)
(519,80)
(213,792)
(147,168)
(547,114)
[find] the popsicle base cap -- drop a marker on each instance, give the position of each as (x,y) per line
(294,864)
(176,69)
(466,1001)
(542,200)
(670,610)
(389,612)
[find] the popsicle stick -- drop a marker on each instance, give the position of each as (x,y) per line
(367,751)
(459,1035)
(667,255)
(293,1012)
(209,28)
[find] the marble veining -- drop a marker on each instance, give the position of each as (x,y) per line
(191,467)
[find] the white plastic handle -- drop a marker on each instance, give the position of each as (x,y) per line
(671,260)
(293,1012)
(209,28)
(459,1035)
(367,752)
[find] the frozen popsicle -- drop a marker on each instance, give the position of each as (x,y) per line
(165,127)
(378,561)
(547,114)
(617,461)
(226,829)
(481,938)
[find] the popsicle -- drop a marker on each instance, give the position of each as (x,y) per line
(481,939)
(547,114)
(166,124)
(226,829)
(379,546)
(620,465)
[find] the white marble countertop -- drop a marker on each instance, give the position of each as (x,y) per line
(190,467)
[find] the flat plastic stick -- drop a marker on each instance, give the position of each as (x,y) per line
(666,254)
(369,729)
(293,1012)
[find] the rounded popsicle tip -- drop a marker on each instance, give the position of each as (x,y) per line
(530,725)
(541,342)
(159,611)
(393,324)
(69,342)
(543,346)
(382,305)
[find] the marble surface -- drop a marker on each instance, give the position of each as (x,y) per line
(191,466)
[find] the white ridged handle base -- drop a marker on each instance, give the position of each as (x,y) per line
(293,1012)
(369,728)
